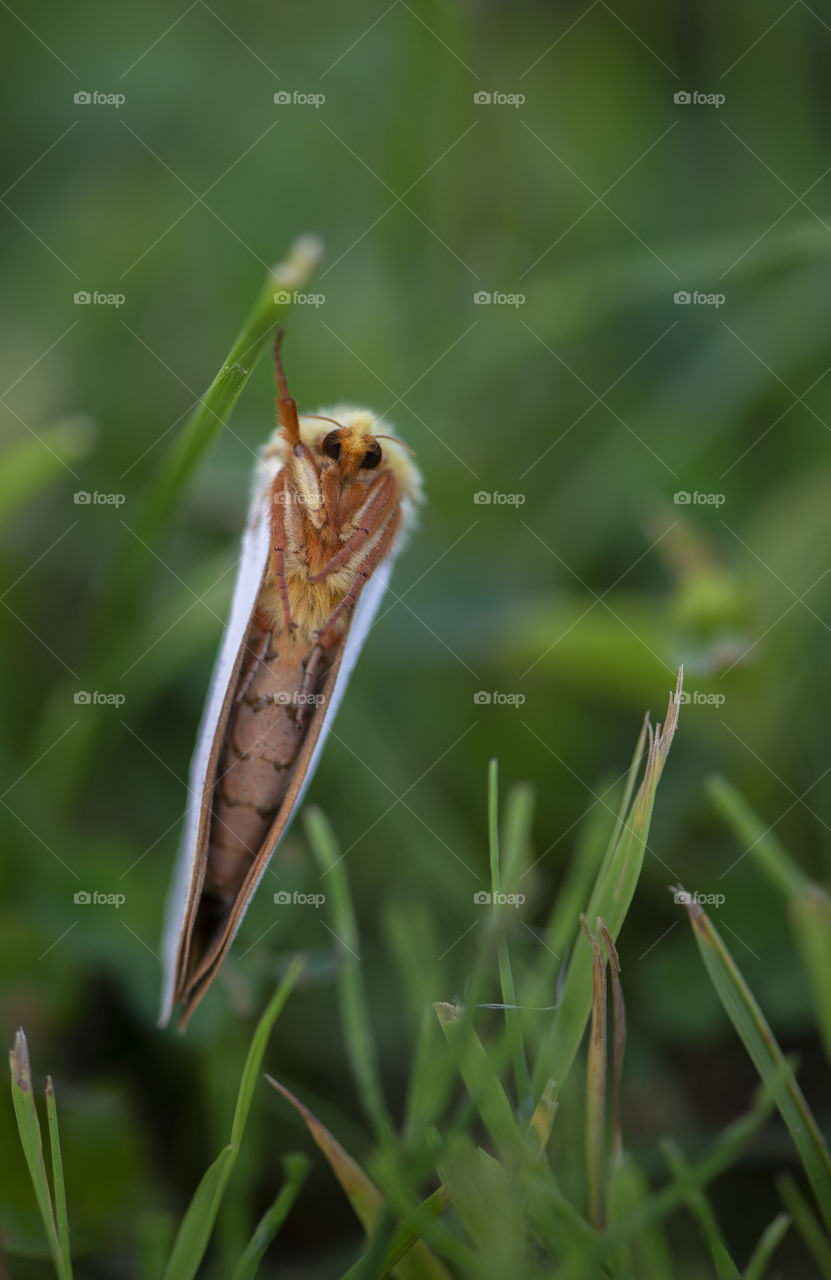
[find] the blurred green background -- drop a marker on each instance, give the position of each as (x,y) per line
(593,401)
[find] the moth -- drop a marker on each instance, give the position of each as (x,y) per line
(334,498)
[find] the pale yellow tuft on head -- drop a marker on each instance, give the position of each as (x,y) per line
(395,456)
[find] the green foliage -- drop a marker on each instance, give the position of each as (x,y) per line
(592,403)
(51,1203)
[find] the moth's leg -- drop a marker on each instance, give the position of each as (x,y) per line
(280,499)
(366,568)
(381,497)
(310,676)
(257,655)
(332,498)
(311,672)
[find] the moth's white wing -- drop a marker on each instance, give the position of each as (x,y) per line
(362,620)
(253,557)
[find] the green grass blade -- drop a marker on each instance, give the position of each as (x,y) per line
(757,1038)
(407,1235)
(58,1183)
(618,1041)
(202,427)
(196,1226)
(768,1244)
(612,894)
(296,1168)
(596,1085)
(354,1007)
(628,790)
(513,1025)
(198,1223)
(360,1190)
(810,915)
(560,1225)
(254,1061)
(477,1069)
(516,830)
(807,1224)
(570,902)
(121,601)
(666,1200)
(757,837)
(478,1183)
(363,1195)
(214,408)
(411,938)
(543,1117)
(28,1126)
(809,906)
(594,849)
(648,1254)
(702,1211)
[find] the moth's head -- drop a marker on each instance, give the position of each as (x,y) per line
(352,443)
(360,444)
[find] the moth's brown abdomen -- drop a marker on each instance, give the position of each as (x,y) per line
(265,731)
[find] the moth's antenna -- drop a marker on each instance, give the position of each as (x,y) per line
(321,417)
(286,407)
(401,443)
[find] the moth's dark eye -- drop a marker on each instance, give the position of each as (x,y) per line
(331,445)
(372,457)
